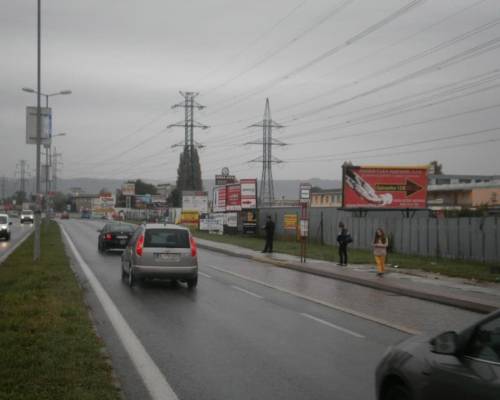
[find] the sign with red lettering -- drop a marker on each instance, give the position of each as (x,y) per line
(233,197)
(248,193)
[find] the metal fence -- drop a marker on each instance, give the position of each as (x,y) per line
(468,238)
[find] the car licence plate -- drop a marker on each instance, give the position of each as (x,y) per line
(169,257)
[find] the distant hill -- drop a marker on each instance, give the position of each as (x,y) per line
(287,189)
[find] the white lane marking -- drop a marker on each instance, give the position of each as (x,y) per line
(205,275)
(339,328)
(151,375)
(247,292)
(323,303)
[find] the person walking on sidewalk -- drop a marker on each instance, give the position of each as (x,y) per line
(269,228)
(380,244)
(343,239)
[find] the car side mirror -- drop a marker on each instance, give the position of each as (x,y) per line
(445,343)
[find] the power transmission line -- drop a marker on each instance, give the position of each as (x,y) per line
(267,158)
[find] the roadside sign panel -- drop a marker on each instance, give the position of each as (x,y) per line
(290,222)
(384,187)
(248,193)
(46,120)
(128,189)
(219,204)
(233,197)
(195,201)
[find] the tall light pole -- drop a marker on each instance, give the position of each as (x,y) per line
(36,248)
(47,146)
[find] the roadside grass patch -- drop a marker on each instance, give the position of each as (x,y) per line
(48,348)
(448,267)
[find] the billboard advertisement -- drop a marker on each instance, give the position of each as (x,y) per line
(384,187)
(248,193)
(219,204)
(195,201)
(128,189)
(233,197)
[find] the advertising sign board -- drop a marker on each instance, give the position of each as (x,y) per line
(248,193)
(233,197)
(290,222)
(384,187)
(190,218)
(219,204)
(224,179)
(46,120)
(128,189)
(195,201)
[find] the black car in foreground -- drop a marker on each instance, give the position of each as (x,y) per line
(114,236)
(458,366)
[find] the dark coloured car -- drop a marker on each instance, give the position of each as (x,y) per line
(86,214)
(114,236)
(458,366)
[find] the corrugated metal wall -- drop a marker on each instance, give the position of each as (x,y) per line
(475,238)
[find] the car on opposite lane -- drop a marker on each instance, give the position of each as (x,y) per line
(5,224)
(459,366)
(27,216)
(163,251)
(114,236)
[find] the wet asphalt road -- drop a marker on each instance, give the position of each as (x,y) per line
(17,232)
(254,331)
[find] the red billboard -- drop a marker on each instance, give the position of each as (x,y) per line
(384,187)
(233,197)
(219,203)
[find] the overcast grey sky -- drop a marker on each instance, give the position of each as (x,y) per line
(349,79)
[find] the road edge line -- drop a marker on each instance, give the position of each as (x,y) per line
(14,247)
(153,378)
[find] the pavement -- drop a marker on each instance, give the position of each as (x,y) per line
(464,294)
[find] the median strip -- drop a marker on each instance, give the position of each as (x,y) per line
(49,349)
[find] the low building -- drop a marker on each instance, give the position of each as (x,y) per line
(83,201)
(326,198)
(463,191)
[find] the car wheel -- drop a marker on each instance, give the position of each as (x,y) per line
(7,237)
(192,283)
(397,392)
(131,277)
(99,247)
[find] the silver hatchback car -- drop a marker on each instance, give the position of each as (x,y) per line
(163,251)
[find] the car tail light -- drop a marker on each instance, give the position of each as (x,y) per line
(193,247)
(140,245)
(108,236)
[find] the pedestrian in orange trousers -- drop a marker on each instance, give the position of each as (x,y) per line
(380,244)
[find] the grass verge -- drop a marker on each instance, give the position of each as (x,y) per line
(448,267)
(48,348)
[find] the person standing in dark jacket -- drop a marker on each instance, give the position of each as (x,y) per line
(343,239)
(269,228)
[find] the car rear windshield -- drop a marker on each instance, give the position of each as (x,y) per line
(171,238)
(3,220)
(121,228)
(27,212)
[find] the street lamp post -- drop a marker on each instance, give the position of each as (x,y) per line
(47,146)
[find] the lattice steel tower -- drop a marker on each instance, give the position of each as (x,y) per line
(189,144)
(266,193)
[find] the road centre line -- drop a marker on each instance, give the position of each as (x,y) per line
(153,378)
(323,303)
(322,321)
(205,275)
(247,292)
